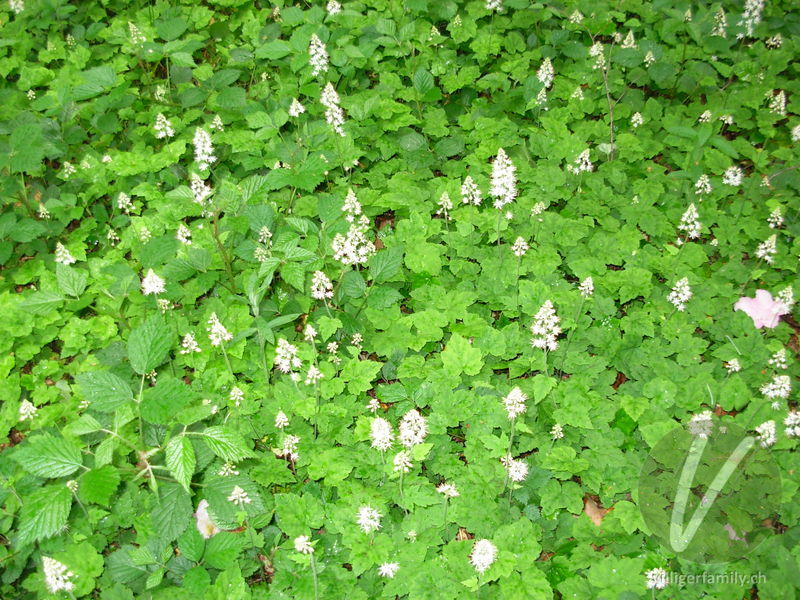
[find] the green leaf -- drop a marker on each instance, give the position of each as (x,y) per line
(49,456)
(98,485)
(44,513)
(149,344)
(226,444)
(181,460)
(172,514)
(223,549)
(71,281)
(191,544)
(461,357)
(353,284)
(105,391)
(423,81)
(385,264)
(162,402)
(41,302)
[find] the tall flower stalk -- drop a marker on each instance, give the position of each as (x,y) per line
(514,404)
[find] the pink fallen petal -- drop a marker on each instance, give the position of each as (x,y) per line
(764,311)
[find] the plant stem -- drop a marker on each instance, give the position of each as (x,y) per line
(508,452)
(569,337)
(314,575)
(444,524)
(227,361)
(223,253)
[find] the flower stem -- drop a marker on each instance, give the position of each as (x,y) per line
(227,360)
(314,575)
(508,453)
(569,337)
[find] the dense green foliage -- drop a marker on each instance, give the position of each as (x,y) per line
(117,427)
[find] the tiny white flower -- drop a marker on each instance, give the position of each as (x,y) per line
(163,127)
(767,249)
(701,424)
(63,255)
(680,294)
(281,420)
(381,433)
(217,332)
(388,569)
(448,490)
(27,410)
(368,519)
(557,432)
(57,577)
(483,555)
(296,109)
(514,403)
(656,579)
(733,366)
(239,496)
(766,434)
(189,344)
(302,544)
(402,462)
(152,283)
(520,247)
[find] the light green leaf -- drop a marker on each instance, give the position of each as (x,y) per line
(49,456)
(149,344)
(226,444)
(181,460)
(105,391)
(44,513)
(461,357)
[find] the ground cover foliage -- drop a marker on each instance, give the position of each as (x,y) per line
(387,299)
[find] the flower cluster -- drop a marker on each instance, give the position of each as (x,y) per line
(217,332)
(766,434)
(582,163)
(483,555)
(286,359)
(545,328)
(656,579)
(381,434)
(779,387)
(321,286)
(354,247)
(296,109)
(203,149)
(504,180)
(680,294)
(318,56)
(545,74)
(703,186)
(690,223)
(163,127)
(767,249)
(470,194)
(334,115)
(413,428)
(700,424)
(57,577)
(368,519)
(514,403)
